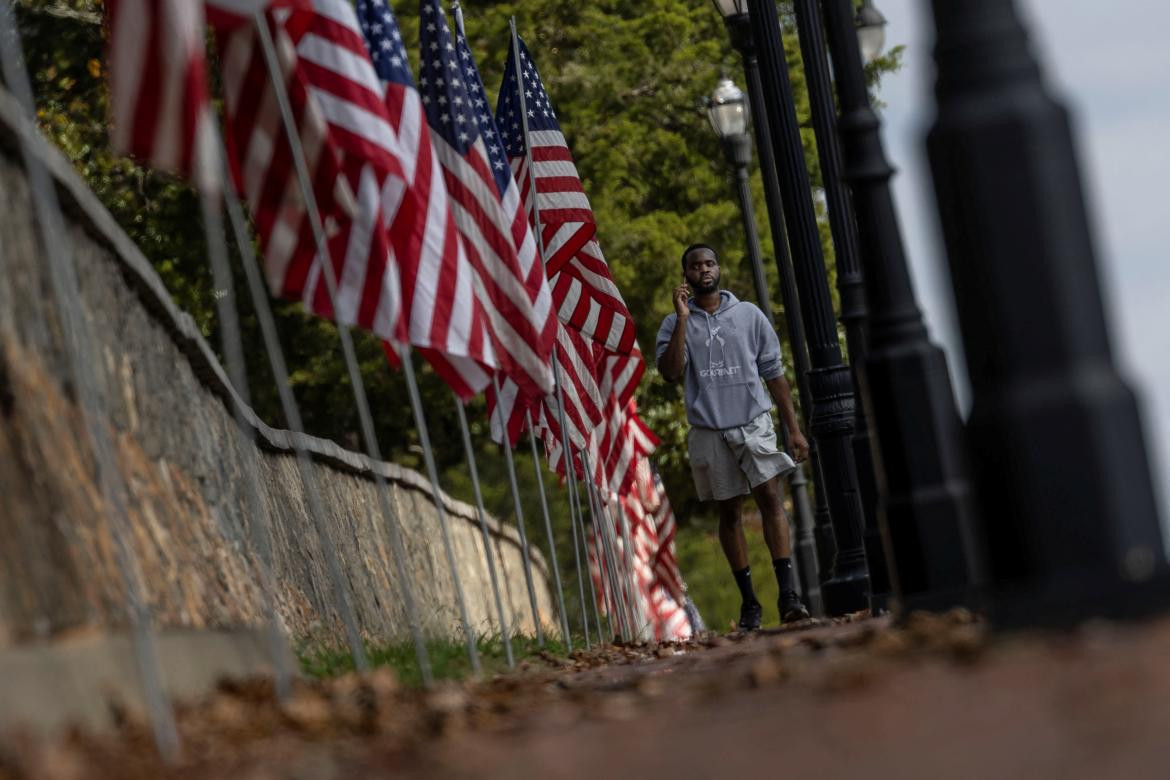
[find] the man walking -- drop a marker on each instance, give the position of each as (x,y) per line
(722,348)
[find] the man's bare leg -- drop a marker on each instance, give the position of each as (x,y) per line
(770,499)
(734,544)
(731,536)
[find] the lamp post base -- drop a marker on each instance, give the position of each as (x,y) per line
(843,595)
(1067,604)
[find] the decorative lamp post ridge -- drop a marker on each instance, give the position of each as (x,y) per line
(831,421)
(850,285)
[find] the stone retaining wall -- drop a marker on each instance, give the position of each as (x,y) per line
(186,466)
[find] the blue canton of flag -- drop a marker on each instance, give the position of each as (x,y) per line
(449,105)
(521,318)
(385,42)
(540,111)
(483,115)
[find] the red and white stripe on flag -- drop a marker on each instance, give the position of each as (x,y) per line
(346,185)
(583,406)
(521,322)
(588,299)
(584,291)
(158,87)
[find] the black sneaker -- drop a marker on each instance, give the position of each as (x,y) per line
(792,608)
(750,615)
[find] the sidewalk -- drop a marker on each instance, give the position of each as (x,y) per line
(934,699)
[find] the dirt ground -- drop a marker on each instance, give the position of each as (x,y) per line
(934,698)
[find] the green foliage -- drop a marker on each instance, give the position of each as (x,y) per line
(628,80)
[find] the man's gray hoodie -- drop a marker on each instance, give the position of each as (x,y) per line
(727,354)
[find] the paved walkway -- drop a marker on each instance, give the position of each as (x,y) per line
(934,699)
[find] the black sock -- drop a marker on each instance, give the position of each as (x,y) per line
(784,573)
(743,578)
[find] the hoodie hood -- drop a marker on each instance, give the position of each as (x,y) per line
(726,300)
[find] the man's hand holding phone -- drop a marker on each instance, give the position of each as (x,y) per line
(682,294)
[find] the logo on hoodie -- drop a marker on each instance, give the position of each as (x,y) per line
(717,367)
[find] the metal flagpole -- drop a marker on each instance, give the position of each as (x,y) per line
(618,583)
(627,581)
(457,10)
(420,422)
(217,251)
(575,521)
(621,597)
(600,563)
(540,244)
(505,634)
(79,349)
(519,518)
(604,567)
(631,579)
(552,546)
(581,553)
(292,415)
(361,402)
(637,615)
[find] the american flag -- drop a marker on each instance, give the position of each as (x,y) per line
(447,321)
(584,407)
(158,87)
(510,408)
(350,151)
(522,323)
(584,291)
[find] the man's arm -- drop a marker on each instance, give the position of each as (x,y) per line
(672,362)
(673,359)
(782,395)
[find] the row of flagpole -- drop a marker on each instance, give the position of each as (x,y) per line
(373,449)
(618,594)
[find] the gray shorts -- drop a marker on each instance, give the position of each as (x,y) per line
(730,462)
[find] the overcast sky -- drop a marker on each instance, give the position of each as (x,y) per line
(1111,63)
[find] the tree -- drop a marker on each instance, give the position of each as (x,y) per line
(627,80)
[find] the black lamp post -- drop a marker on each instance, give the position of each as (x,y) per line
(926,506)
(850,286)
(728,114)
(819,538)
(831,422)
(727,110)
(1056,440)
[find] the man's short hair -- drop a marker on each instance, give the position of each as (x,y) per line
(694,247)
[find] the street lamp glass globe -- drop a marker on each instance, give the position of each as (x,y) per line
(727,110)
(871,31)
(730,8)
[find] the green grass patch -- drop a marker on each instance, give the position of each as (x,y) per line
(448,657)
